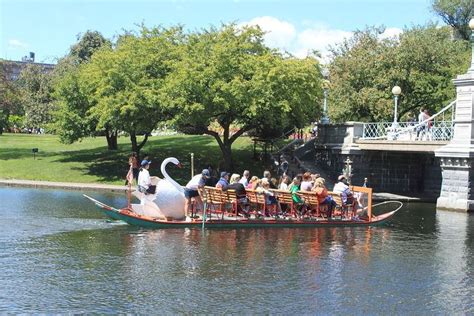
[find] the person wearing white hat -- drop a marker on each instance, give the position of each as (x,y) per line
(144,180)
(343,188)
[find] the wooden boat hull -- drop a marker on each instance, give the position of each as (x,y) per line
(134,219)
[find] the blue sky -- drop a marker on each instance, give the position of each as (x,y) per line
(50,27)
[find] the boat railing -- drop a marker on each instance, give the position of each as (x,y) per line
(363,199)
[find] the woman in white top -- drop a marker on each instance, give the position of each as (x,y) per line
(285,182)
(307,184)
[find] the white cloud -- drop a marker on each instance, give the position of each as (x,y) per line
(14,43)
(314,36)
(319,39)
(279,34)
(390,32)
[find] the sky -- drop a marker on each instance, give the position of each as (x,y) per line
(50,27)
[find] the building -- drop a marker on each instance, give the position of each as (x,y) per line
(12,69)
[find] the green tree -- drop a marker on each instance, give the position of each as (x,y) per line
(123,84)
(36,95)
(422,61)
(455,13)
(87,44)
(72,121)
(9,97)
(229,78)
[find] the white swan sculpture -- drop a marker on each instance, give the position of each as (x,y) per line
(169,194)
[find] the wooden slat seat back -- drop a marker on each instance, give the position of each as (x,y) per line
(256,199)
(344,209)
(216,200)
(285,198)
(233,199)
(258,202)
(311,201)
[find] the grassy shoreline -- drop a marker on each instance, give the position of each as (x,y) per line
(89,161)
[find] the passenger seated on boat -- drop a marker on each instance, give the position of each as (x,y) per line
(285,182)
(323,196)
(343,188)
(223,182)
(294,188)
(306,184)
(192,190)
(144,181)
(270,199)
(245,178)
(240,192)
(253,183)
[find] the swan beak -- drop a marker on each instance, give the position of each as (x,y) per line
(179,165)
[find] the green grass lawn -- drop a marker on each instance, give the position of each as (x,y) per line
(89,161)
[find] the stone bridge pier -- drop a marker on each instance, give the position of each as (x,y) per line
(457,157)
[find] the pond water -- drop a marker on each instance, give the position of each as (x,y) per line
(58,254)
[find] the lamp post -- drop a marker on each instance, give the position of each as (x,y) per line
(325,118)
(396,92)
(471,26)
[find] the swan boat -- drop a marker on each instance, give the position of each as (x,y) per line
(131,217)
(168,199)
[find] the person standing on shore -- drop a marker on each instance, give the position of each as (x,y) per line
(134,166)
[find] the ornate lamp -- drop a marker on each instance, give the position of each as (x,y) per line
(396,91)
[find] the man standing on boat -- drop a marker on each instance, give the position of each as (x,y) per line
(192,190)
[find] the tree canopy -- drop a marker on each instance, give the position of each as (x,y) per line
(228,78)
(422,61)
(118,89)
(37,95)
(71,120)
(9,97)
(455,13)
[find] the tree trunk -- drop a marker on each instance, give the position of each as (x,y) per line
(226,145)
(226,149)
(111,137)
(133,140)
(136,147)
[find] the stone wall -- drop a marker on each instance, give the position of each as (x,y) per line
(407,173)
(394,172)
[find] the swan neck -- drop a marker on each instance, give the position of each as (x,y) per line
(167,177)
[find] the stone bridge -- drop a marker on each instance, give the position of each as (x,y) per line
(440,170)
(401,167)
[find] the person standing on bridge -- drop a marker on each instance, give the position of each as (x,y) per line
(429,125)
(422,125)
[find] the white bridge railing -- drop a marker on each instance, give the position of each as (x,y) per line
(430,129)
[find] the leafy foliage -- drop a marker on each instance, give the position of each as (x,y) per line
(9,97)
(87,44)
(37,95)
(229,77)
(455,13)
(118,89)
(71,120)
(364,68)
